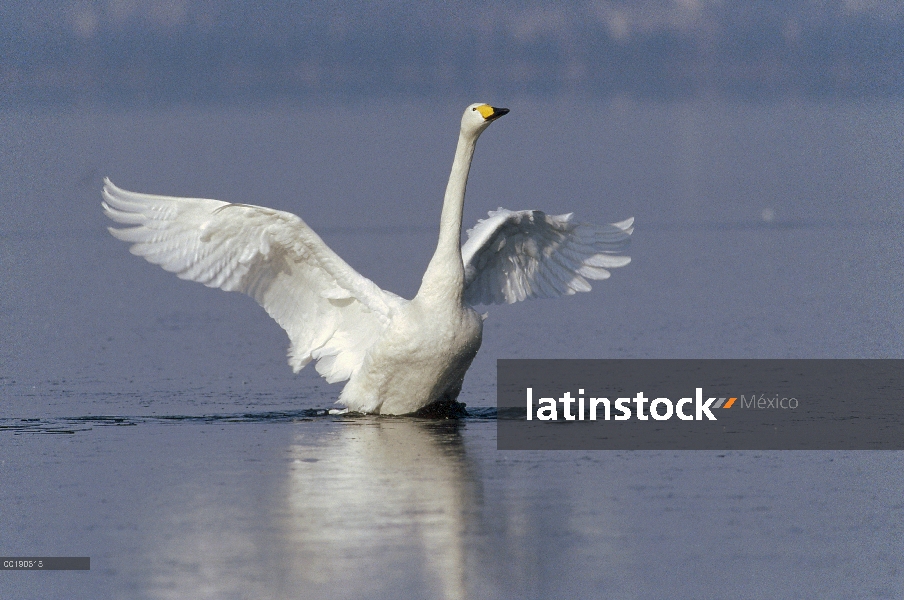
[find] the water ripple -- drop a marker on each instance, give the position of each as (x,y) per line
(72,425)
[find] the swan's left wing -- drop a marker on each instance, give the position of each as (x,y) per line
(512,256)
(331,313)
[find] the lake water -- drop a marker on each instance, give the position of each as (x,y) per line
(153,424)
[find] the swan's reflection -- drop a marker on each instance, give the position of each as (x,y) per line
(379,507)
(371,507)
(382,504)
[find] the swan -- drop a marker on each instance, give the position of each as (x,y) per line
(397,355)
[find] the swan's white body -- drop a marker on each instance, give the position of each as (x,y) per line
(397,355)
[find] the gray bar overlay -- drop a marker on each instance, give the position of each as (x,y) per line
(792,404)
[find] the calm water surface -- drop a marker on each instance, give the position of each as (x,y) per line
(153,425)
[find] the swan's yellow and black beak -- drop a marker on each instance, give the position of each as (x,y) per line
(491,113)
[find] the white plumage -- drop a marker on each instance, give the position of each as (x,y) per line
(513,256)
(397,355)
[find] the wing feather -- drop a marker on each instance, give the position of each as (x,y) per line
(331,313)
(512,256)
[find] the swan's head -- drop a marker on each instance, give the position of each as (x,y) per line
(478,116)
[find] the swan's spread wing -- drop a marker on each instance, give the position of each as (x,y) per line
(512,256)
(330,312)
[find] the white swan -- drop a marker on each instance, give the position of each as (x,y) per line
(398,355)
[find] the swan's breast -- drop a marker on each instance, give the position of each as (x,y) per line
(422,333)
(423,357)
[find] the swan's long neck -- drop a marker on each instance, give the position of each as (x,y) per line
(445,274)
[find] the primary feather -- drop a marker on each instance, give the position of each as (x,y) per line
(397,355)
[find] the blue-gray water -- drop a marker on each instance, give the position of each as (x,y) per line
(763,230)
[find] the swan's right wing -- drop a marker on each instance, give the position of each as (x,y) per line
(331,313)
(516,255)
